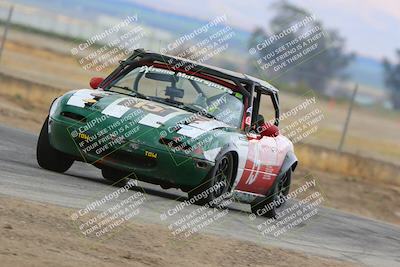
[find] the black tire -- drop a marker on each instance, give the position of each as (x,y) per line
(265,206)
(218,182)
(48,157)
(116,177)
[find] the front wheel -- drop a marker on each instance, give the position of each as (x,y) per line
(268,206)
(217,184)
(48,157)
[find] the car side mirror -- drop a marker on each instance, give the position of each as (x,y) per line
(267,129)
(95,82)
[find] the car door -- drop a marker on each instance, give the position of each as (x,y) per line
(261,166)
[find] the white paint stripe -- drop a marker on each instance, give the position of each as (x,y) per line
(155,121)
(77,98)
(115,110)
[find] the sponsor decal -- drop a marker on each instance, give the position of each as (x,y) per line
(239,96)
(150,154)
(248,120)
(89,101)
(146,69)
(84,136)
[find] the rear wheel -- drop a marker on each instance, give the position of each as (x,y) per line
(48,157)
(218,183)
(268,206)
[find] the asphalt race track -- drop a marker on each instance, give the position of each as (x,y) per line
(333,233)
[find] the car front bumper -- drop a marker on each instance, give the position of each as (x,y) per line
(143,162)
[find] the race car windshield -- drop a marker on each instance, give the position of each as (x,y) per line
(182,90)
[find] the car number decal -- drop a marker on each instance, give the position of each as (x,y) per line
(260,169)
(157,114)
(151,107)
(115,109)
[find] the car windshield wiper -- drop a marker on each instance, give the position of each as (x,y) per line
(182,105)
(166,100)
(202,111)
(132,93)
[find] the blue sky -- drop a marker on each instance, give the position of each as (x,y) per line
(371,27)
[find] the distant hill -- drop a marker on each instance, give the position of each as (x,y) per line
(367,71)
(364,70)
(177,24)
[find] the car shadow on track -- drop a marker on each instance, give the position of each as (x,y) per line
(150,189)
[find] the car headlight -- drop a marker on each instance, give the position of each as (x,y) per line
(54,106)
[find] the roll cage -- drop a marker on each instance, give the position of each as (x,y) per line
(250,87)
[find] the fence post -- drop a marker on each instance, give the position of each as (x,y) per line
(346,124)
(6,26)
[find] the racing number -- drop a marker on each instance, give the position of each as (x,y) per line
(260,167)
(151,107)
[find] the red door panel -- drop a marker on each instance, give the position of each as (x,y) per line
(261,166)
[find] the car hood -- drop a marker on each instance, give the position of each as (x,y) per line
(157,124)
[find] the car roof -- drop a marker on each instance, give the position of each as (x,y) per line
(265,86)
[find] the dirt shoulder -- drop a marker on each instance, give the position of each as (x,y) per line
(372,199)
(36,234)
